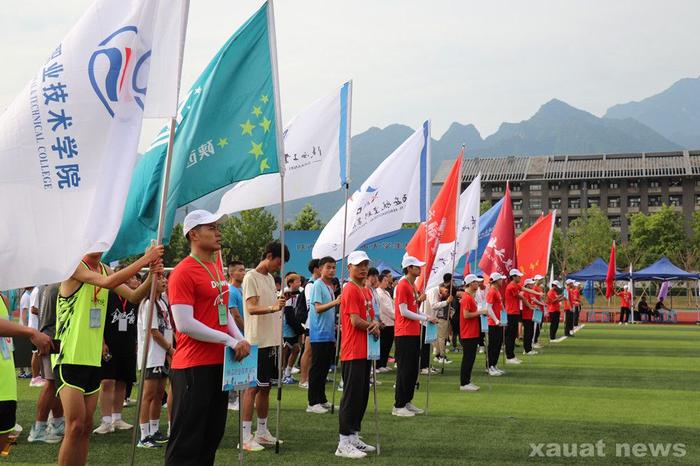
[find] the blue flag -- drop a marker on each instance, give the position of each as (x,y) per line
(487,222)
(226,132)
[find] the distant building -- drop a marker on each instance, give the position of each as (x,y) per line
(620,184)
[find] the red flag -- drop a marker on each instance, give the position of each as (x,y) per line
(610,277)
(499,255)
(533,246)
(441,222)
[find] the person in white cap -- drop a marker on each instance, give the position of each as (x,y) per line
(554,300)
(407,330)
(514,298)
(197,292)
(480,297)
(625,304)
(569,307)
(357,316)
(533,303)
(494,306)
(537,286)
(469,332)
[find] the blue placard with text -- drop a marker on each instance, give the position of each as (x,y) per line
(239,375)
(373,347)
(484,323)
(504,319)
(430,332)
(537,316)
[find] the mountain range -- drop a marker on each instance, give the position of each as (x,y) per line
(667,121)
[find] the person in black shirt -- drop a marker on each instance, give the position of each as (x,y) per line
(643,309)
(119,359)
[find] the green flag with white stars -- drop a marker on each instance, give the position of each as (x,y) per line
(226,132)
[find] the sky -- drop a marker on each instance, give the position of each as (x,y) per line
(472,62)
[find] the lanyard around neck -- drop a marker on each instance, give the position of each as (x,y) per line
(216,279)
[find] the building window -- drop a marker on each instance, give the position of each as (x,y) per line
(518,223)
(497,188)
(614,185)
(633,184)
(593,201)
(515,187)
(517,204)
(574,203)
(556,203)
(536,187)
(536,204)
(654,184)
(675,182)
(697,183)
(614,202)
(593,185)
(574,186)
(555,186)
(675,200)
(654,201)
(615,221)
(634,201)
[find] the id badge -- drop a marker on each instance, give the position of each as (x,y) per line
(223,314)
(122,325)
(4,349)
(95,317)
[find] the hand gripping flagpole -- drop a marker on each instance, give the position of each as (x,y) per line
(158,241)
(343,270)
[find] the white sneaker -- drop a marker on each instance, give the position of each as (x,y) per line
(121,425)
(470,387)
(104,428)
(348,450)
(233,405)
(481,350)
(42,436)
(251,445)
(327,405)
(513,361)
(402,412)
(362,446)
(499,370)
(494,372)
(266,438)
(304,385)
(414,409)
(316,409)
(530,353)
(538,346)
(295,370)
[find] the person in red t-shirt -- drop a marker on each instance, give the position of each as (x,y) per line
(515,299)
(538,281)
(577,304)
(625,304)
(407,331)
(494,306)
(357,318)
(197,294)
(554,299)
(469,331)
(531,303)
(569,306)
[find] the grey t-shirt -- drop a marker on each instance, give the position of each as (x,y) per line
(47,309)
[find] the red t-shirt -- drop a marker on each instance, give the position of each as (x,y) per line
(552,304)
(468,328)
(625,298)
(512,298)
(190,284)
(405,294)
(493,297)
(354,300)
(527,312)
(575,296)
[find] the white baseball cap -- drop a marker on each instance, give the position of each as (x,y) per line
(408,261)
(479,278)
(515,272)
(537,277)
(200,217)
(471,278)
(358,257)
(529,281)
(496,276)
(556,283)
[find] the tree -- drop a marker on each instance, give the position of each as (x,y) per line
(177,249)
(307,219)
(484,206)
(657,234)
(244,236)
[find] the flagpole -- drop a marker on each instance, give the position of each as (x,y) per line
(425,253)
(343,270)
(159,240)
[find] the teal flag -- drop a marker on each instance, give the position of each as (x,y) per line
(225,133)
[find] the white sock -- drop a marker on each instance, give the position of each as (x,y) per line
(57,421)
(144,430)
(106,419)
(168,428)
(247,429)
(287,371)
(116,417)
(344,439)
(39,426)
(155,425)
(262,424)
(355,436)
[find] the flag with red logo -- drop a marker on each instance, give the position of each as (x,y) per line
(499,255)
(610,277)
(534,245)
(441,223)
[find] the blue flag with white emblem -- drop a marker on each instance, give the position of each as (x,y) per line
(226,132)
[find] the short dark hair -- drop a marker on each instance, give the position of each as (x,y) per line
(235,264)
(313,264)
(372,272)
(447,278)
(278,280)
(386,272)
(275,248)
(325,260)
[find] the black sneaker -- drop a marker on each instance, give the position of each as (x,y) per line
(148,442)
(159,438)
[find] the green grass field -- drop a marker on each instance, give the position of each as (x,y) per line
(636,384)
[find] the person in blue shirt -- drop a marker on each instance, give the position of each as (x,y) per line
(292,329)
(236,272)
(322,335)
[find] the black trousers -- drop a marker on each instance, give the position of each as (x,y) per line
(199,415)
(424,350)
(353,404)
(469,346)
(537,332)
(386,341)
(495,342)
(624,314)
(528,335)
(568,322)
(511,335)
(482,335)
(553,324)
(322,355)
(407,351)
(577,312)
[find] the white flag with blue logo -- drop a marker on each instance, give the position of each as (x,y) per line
(393,195)
(68,141)
(316,146)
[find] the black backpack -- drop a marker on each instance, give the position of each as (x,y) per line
(301,310)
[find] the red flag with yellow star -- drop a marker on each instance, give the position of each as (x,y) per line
(533,246)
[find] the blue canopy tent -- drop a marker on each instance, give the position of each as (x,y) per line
(381,265)
(595,271)
(661,270)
